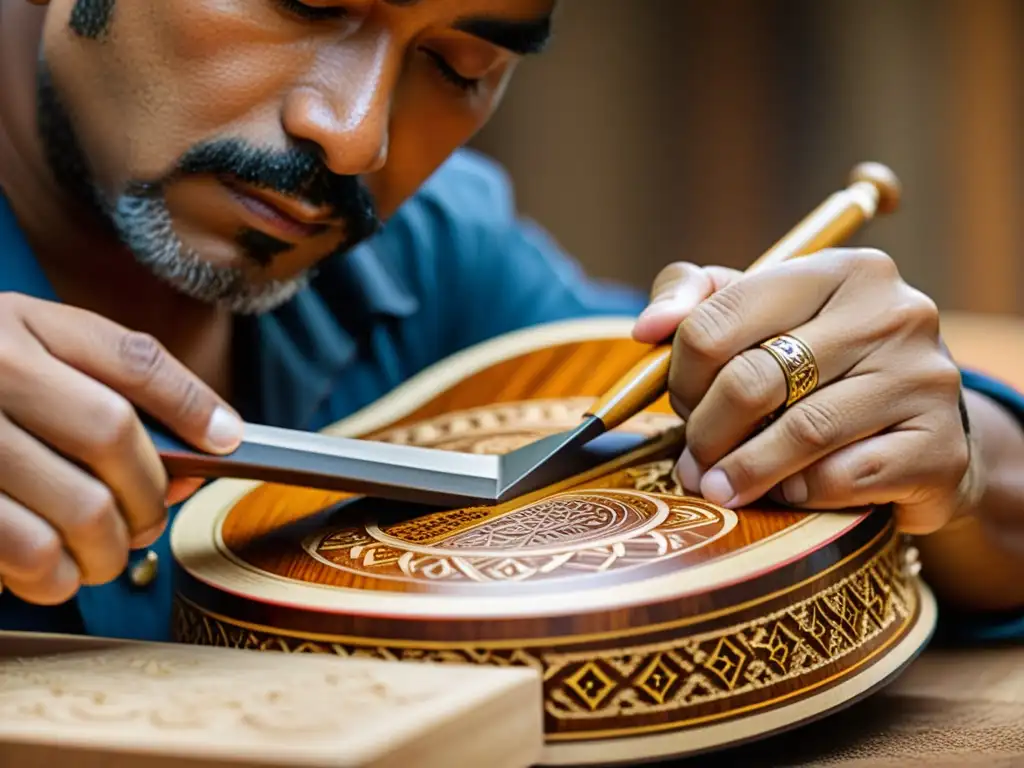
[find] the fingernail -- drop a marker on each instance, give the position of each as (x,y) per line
(657,308)
(675,303)
(685,296)
(716,488)
(687,472)
(67,571)
(794,489)
(181,489)
(224,430)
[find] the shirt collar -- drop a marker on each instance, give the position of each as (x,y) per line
(296,353)
(288,360)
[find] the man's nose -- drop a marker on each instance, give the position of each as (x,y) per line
(347,109)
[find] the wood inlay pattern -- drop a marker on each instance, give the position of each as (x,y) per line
(651,685)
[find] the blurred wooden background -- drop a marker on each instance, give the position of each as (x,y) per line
(657,130)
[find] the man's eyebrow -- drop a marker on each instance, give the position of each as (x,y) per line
(521,37)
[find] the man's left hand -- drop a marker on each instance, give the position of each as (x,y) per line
(882,425)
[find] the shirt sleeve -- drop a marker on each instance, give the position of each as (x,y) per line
(528,280)
(960,627)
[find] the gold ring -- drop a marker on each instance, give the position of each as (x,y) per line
(797,363)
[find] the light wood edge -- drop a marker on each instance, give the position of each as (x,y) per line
(441,376)
(629,750)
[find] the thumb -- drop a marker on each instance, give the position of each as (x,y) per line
(181,488)
(676,292)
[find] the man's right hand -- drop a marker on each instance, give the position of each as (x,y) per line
(80,481)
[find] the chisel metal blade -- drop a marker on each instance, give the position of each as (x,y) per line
(392,471)
(365,467)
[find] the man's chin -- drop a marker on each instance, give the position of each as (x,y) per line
(224,287)
(144,225)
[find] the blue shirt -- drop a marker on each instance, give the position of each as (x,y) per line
(456,265)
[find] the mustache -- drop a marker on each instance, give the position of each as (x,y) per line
(298,171)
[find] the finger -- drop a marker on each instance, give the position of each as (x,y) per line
(676,291)
(180,489)
(851,409)
(33,563)
(909,468)
(744,313)
(101,431)
(137,366)
(753,386)
(78,506)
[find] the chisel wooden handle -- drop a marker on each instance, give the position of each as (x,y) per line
(873,189)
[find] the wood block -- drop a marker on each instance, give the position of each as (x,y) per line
(142,705)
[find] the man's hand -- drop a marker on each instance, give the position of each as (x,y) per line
(80,481)
(883,424)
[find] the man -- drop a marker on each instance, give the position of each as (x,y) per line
(259,208)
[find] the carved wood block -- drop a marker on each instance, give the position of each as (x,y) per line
(142,705)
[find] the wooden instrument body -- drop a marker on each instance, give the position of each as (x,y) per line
(662,625)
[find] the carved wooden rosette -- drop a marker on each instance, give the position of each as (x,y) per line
(660,624)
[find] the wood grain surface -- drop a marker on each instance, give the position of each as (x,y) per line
(952,708)
(91,703)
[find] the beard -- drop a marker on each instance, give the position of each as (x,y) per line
(140,219)
(143,223)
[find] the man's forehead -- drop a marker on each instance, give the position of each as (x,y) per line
(503,7)
(521,26)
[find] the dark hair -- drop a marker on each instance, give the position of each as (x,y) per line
(91,18)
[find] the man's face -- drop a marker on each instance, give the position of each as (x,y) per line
(234,144)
